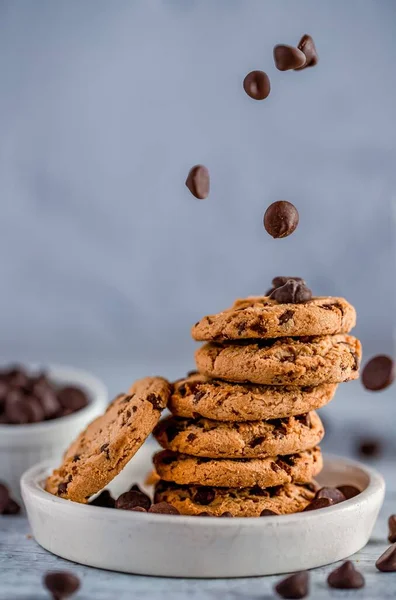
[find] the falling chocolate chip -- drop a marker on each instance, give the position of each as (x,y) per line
(379,373)
(130,500)
(387,561)
(281,219)
(392,529)
(204,495)
(349,491)
(163,508)
(294,586)
(61,584)
(292,292)
(105,500)
(198,182)
(257,85)
(346,577)
(370,448)
(307,46)
(268,513)
(333,494)
(288,57)
(318,503)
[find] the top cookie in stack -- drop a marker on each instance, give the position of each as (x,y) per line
(244,435)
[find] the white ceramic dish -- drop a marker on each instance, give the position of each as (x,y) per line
(181,546)
(22,446)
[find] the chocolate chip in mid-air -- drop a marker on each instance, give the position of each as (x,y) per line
(105,500)
(257,85)
(392,529)
(369,448)
(307,46)
(387,561)
(292,292)
(318,503)
(294,586)
(288,57)
(349,491)
(198,182)
(378,373)
(332,493)
(61,584)
(346,577)
(163,508)
(281,219)
(130,500)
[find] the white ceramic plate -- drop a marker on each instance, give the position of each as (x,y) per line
(182,546)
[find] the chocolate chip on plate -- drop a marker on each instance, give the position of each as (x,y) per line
(198,182)
(333,494)
(370,448)
(268,513)
(227,514)
(105,500)
(257,85)
(288,57)
(204,514)
(307,46)
(61,584)
(387,561)
(292,292)
(130,500)
(281,219)
(392,529)
(163,508)
(378,373)
(346,577)
(318,503)
(349,491)
(294,586)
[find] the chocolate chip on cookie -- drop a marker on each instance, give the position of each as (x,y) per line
(198,182)
(291,292)
(294,586)
(378,373)
(281,219)
(346,577)
(257,85)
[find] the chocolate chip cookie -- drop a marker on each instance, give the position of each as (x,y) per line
(246,502)
(109,442)
(253,439)
(238,473)
(197,396)
(263,317)
(300,361)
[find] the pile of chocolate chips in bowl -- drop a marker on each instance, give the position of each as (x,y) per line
(33,398)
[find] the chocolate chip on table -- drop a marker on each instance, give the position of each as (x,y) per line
(105,499)
(387,561)
(288,57)
(12,508)
(349,491)
(378,373)
(281,219)
(61,584)
(163,508)
(392,529)
(292,292)
(198,182)
(257,85)
(4,497)
(318,503)
(130,500)
(333,494)
(294,586)
(346,577)
(370,448)
(307,46)
(268,513)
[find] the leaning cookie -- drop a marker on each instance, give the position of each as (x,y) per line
(252,439)
(301,361)
(246,502)
(199,396)
(109,442)
(263,317)
(239,473)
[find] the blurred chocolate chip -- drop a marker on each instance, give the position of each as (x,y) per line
(17,409)
(257,85)
(48,400)
(4,497)
(204,495)
(378,373)
(227,514)
(12,508)
(198,182)
(281,219)
(136,488)
(292,292)
(61,584)
(72,398)
(294,586)
(130,500)
(387,561)
(346,577)
(105,499)
(138,509)
(318,503)
(163,508)
(349,491)
(392,529)
(268,513)
(192,373)
(288,57)
(333,494)
(307,46)
(204,514)
(17,377)
(370,448)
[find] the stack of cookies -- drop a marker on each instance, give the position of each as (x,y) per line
(243,436)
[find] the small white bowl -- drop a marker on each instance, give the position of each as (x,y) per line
(22,446)
(183,546)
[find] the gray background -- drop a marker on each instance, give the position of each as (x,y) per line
(104,107)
